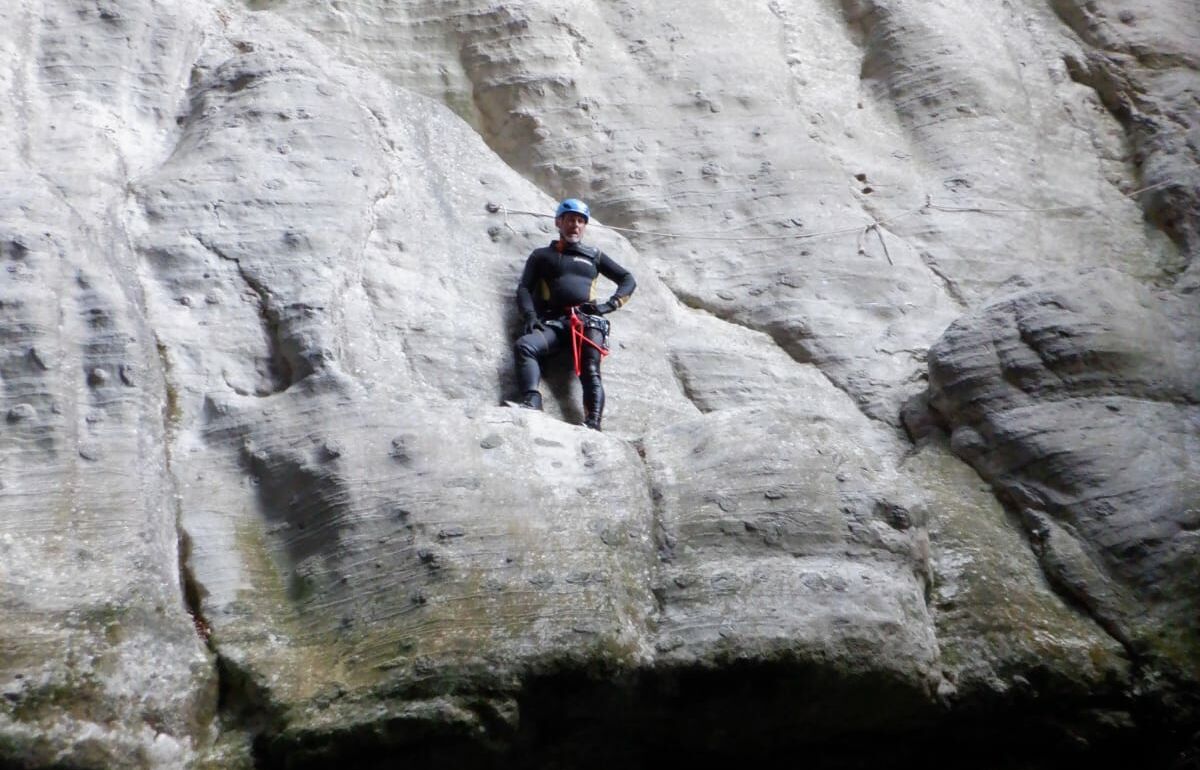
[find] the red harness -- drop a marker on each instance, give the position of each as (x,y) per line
(578,337)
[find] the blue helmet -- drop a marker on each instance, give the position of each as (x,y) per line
(573,205)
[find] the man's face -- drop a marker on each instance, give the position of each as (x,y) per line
(571,227)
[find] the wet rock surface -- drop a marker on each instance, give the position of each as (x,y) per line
(902,418)
(1041,389)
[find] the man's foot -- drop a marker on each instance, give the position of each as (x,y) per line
(532,400)
(593,423)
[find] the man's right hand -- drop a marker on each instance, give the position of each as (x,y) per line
(532,324)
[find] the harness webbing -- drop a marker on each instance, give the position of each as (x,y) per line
(578,337)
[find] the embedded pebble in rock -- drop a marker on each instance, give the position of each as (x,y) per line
(21,412)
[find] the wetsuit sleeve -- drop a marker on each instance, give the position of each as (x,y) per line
(525,287)
(618,275)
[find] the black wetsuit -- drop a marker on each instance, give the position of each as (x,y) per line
(558,277)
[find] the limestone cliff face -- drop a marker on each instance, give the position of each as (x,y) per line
(904,415)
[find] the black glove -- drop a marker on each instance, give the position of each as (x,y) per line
(532,324)
(591,308)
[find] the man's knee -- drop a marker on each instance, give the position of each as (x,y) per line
(589,373)
(526,346)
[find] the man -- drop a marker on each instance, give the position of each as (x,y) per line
(559,281)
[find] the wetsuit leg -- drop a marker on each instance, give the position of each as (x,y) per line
(528,349)
(589,378)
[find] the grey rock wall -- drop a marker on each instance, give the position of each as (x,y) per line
(902,426)
(1078,403)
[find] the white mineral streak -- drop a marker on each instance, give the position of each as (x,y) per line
(257,319)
